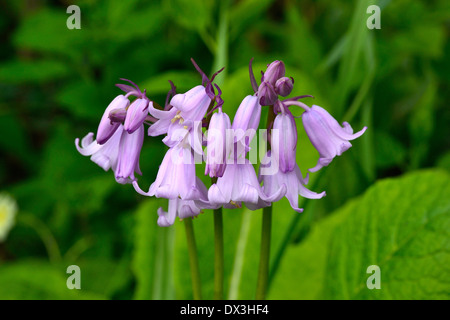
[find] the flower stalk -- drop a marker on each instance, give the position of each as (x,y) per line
(218,254)
(266,231)
(193,259)
(264,258)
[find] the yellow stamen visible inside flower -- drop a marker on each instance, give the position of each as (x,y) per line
(178,117)
(234,203)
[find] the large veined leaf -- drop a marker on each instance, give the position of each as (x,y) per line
(400,225)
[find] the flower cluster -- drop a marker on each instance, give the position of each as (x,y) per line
(193,120)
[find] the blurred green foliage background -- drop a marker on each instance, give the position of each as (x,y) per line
(55,84)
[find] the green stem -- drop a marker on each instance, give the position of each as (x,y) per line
(288,236)
(193,259)
(238,265)
(218,255)
(263,272)
(50,243)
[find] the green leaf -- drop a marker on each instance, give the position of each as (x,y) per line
(244,13)
(82,100)
(17,143)
(32,71)
(191,14)
(38,280)
(421,123)
(46,31)
(349,68)
(303,45)
(104,276)
(142,23)
(388,150)
(400,225)
(152,261)
(425,40)
(444,161)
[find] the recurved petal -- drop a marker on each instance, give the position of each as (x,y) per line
(166,219)
(322,162)
(88,146)
(345,132)
(292,196)
(306,193)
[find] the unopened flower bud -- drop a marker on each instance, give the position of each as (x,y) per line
(267,95)
(118,115)
(217,144)
(106,129)
(284,86)
(327,135)
(285,144)
(275,71)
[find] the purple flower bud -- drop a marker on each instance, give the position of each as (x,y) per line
(267,95)
(247,117)
(118,115)
(275,71)
(136,114)
(284,86)
(284,143)
(106,128)
(129,151)
(192,104)
(217,144)
(327,136)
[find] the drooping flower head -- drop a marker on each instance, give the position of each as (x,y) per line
(182,120)
(120,138)
(293,182)
(327,136)
(120,135)
(177,208)
(176,177)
